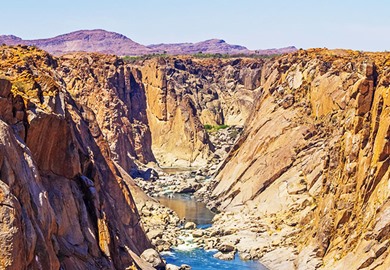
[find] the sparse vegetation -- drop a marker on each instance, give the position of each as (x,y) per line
(211,128)
(136,58)
(227,56)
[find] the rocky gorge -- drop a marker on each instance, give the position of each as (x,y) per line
(303,185)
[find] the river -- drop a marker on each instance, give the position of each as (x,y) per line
(199,259)
(187,207)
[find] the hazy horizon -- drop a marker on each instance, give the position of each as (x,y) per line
(253,24)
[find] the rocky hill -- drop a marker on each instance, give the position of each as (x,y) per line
(113,43)
(214,46)
(207,46)
(83,41)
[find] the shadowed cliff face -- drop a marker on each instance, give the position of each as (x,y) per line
(62,201)
(184,94)
(106,90)
(155,110)
(314,157)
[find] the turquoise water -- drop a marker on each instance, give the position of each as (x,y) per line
(199,259)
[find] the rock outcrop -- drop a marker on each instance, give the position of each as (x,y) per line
(110,92)
(63,203)
(313,160)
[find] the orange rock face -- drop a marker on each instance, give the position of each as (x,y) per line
(315,153)
(63,203)
(155,110)
(313,160)
(184,94)
(72,129)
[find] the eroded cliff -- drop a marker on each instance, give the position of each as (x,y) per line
(306,186)
(155,110)
(74,127)
(63,202)
(184,94)
(313,162)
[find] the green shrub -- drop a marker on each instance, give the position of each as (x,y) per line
(208,127)
(211,128)
(221,127)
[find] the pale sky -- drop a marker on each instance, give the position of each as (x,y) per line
(256,24)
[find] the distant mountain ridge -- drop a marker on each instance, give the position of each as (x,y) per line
(103,41)
(207,46)
(214,46)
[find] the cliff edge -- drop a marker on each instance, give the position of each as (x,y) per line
(312,164)
(58,182)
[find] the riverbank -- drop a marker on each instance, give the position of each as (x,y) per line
(181,240)
(229,238)
(159,182)
(200,259)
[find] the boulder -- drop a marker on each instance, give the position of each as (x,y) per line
(172,267)
(185,188)
(287,102)
(296,187)
(151,256)
(189,186)
(153,234)
(224,256)
(244,256)
(198,233)
(189,225)
(147,175)
(226,247)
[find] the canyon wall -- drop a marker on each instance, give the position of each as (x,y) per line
(184,94)
(314,159)
(74,127)
(63,203)
(155,110)
(108,91)
(313,156)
